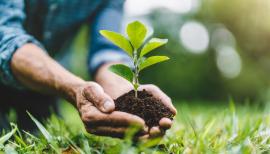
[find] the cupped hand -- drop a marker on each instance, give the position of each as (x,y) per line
(116,86)
(97,113)
(164,123)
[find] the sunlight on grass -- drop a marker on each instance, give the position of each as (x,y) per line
(198,128)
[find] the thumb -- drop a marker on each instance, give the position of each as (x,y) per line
(96,95)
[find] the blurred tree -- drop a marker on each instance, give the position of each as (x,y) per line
(196,76)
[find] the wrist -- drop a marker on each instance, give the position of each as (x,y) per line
(70,89)
(112,84)
(103,70)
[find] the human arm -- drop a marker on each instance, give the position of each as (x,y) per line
(25,65)
(39,72)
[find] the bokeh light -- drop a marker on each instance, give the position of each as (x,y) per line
(141,7)
(194,37)
(222,36)
(226,50)
(228,61)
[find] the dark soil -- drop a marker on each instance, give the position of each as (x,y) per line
(145,106)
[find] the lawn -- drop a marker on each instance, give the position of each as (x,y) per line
(199,128)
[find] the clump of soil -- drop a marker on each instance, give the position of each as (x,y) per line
(145,106)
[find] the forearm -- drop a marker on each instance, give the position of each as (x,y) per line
(39,72)
(109,81)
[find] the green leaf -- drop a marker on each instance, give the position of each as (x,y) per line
(119,40)
(136,32)
(6,137)
(42,129)
(152,44)
(123,71)
(151,61)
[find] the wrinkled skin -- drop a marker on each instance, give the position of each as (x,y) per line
(94,100)
(97,108)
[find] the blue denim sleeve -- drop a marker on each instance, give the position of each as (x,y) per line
(12,37)
(101,50)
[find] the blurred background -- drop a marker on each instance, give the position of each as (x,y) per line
(218,48)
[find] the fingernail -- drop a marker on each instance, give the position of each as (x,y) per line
(108,106)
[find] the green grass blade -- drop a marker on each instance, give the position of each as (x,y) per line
(20,141)
(208,127)
(42,129)
(74,146)
(6,137)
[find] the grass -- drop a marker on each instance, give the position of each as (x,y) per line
(198,128)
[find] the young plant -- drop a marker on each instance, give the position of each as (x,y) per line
(136,32)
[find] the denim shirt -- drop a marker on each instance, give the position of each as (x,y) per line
(49,23)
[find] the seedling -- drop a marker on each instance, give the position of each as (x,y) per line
(136,32)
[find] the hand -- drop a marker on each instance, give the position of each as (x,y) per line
(116,86)
(164,123)
(97,112)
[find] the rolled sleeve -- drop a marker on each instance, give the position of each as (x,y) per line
(12,37)
(102,51)
(105,56)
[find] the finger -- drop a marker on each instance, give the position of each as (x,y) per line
(165,123)
(156,132)
(108,131)
(157,93)
(144,137)
(94,118)
(95,94)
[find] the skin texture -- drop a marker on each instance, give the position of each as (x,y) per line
(94,100)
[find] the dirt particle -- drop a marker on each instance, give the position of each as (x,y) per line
(145,106)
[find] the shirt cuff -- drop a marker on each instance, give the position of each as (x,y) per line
(6,52)
(104,56)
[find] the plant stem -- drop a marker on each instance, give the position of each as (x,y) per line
(136,75)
